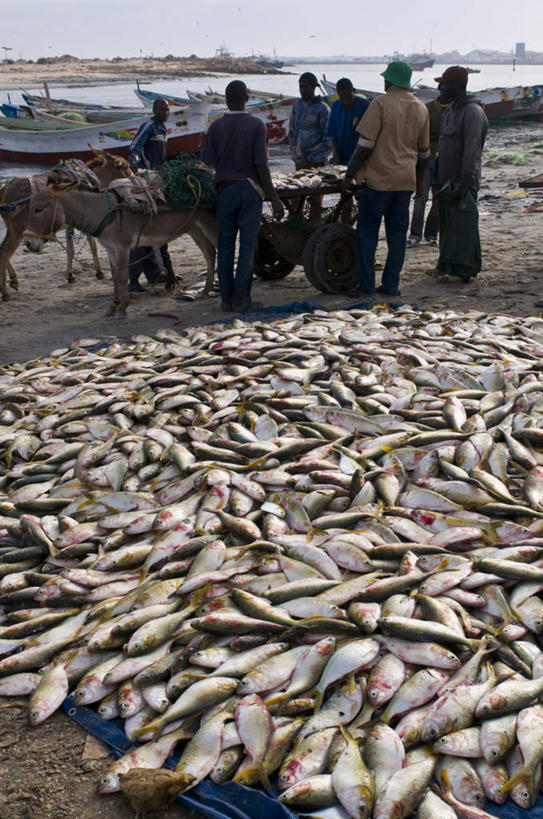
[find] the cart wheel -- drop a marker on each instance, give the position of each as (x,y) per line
(269,264)
(329,258)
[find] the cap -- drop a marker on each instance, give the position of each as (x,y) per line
(309,79)
(398,73)
(455,73)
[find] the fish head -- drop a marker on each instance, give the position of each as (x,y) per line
(109,783)
(363,803)
(524,793)
(36,714)
(431,730)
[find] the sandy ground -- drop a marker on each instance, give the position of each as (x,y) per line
(43,777)
(74,72)
(47,313)
(51,771)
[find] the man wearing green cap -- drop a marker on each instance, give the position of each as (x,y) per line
(392,150)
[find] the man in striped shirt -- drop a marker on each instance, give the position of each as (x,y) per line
(148,152)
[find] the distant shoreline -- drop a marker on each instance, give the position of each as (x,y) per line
(75,73)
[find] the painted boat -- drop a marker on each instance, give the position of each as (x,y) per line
(500,104)
(274,114)
(149,97)
(47,103)
(186,129)
(26,124)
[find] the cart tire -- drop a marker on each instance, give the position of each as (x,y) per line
(269,264)
(330,258)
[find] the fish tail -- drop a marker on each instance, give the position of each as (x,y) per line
(523,775)
(277,702)
(264,779)
(319,696)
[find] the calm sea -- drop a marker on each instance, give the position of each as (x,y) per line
(362,76)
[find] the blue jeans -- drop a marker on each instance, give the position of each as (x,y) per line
(372,206)
(239,209)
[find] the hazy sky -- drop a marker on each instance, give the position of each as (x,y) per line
(109,28)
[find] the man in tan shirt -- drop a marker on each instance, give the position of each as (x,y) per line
(389,159)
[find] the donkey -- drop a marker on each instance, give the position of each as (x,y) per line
(117,228)
(14,198)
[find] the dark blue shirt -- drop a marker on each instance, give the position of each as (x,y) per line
(148,148)
(234,145)
(342,124)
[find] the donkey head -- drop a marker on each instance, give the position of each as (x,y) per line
(45,215)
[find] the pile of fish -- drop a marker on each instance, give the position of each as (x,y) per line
(315,178)
(308,550)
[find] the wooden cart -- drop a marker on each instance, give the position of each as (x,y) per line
(325,248)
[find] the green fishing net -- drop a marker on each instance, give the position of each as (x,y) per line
(187,182)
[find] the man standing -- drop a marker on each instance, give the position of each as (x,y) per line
(236,145)
(345,115)
(436,109)
(310,146)
(394,148)
(461,141)
(148,151)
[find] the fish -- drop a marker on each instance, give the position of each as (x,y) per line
(293,551)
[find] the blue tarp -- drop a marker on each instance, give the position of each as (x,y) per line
(233,801)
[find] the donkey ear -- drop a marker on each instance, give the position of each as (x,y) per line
(58,176)
(96,151)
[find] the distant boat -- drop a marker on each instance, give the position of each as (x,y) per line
(500,104)
(222,53)
(473,70)
(419,62)
(267,62)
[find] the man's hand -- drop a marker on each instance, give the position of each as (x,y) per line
(348,185)
(278,209)
(463,189)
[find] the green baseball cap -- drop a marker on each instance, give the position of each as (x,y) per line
(398,73)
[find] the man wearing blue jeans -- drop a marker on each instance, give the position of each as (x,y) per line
(236,146)
(392,150)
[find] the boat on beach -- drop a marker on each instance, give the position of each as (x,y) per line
(500,104)
(186,128)
(148,98)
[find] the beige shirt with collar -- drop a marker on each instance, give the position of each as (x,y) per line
(396,127)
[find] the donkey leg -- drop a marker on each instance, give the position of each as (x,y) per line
(15,226)
(209,254)
(13,280)
(113,263)
(123,256)
(95,258)
(70,253)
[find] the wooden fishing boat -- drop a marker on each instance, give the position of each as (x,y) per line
(500,104)
(148,98)
(186,129)
(48,103)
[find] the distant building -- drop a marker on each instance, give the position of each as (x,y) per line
(520,51)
